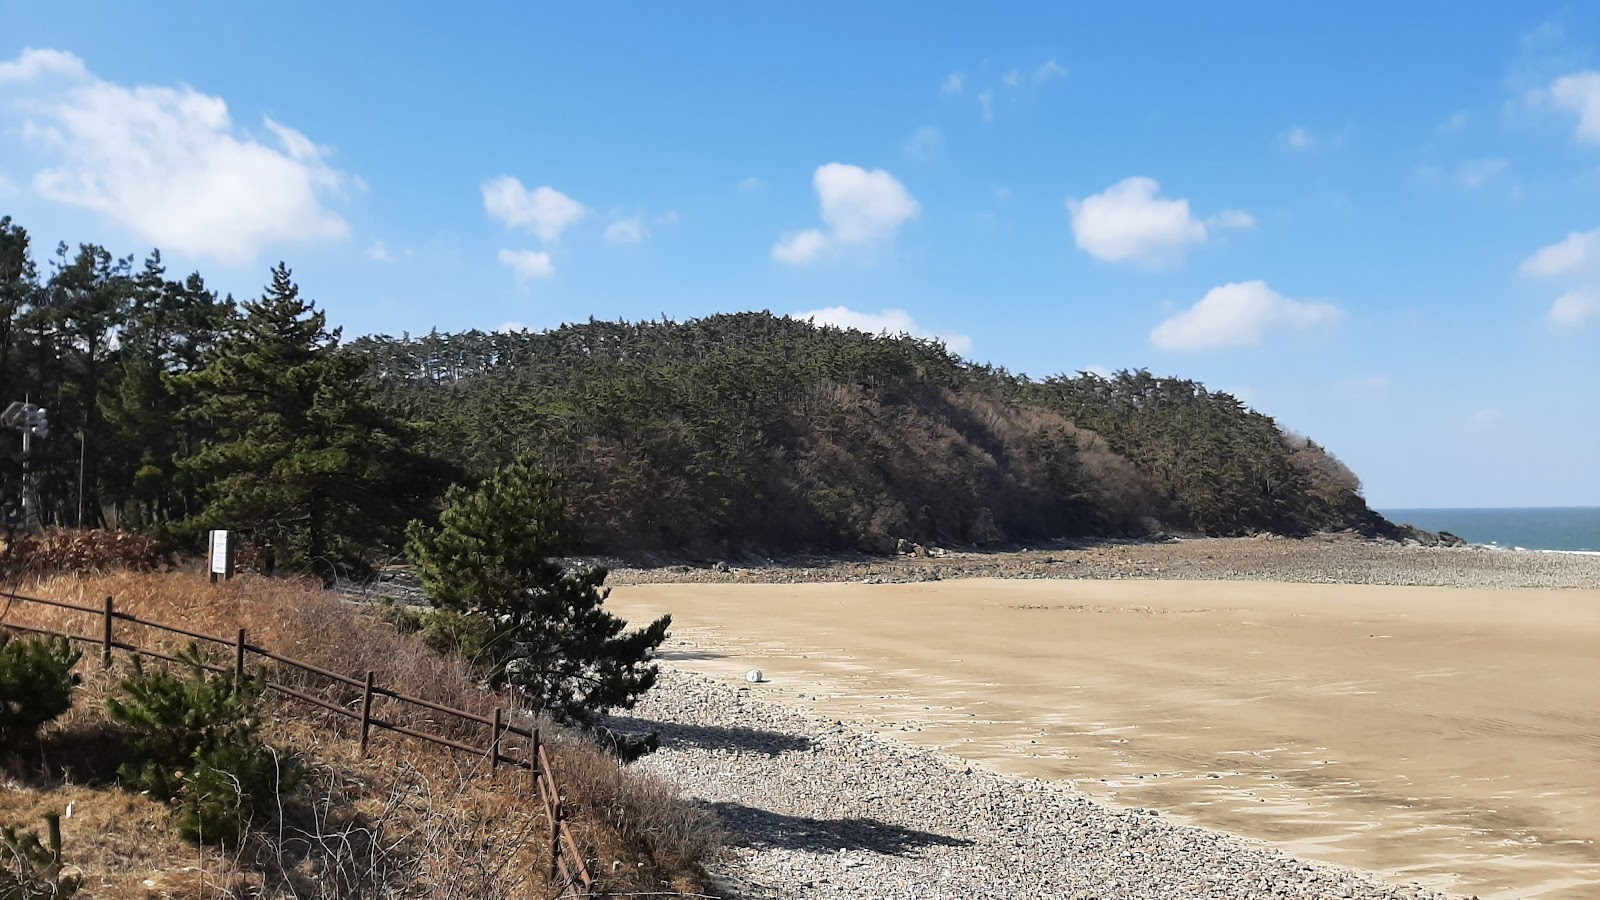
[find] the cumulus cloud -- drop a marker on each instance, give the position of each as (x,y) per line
(986,105)
(1579,94)
(801,247)
(1576,307)
(888,321)
(1239,315)
(544,210)
(627,231)
(1576,254)
(953,84)
(924,142)
(859,208)
(169,164)
(751,185)
(1011,78)
(35,63)
(1576,260)
(378,251)
(528,264)
(1130,222)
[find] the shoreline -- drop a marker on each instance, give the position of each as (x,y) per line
(1318,559)
(836,809)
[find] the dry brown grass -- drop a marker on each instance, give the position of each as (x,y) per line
(409,820)
(53,550)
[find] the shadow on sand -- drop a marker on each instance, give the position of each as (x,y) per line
(713,737)
(760,828)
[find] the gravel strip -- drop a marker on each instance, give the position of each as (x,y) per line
(819,809)
(1321,559)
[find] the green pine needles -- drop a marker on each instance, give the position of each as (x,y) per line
(496,556)
(195,741)
(36,685)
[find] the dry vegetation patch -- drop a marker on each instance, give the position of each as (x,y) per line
(410,819)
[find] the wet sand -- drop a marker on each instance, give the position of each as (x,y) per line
(1445,736)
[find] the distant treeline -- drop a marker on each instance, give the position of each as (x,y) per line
(174,410)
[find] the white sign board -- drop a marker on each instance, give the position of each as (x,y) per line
(221,560)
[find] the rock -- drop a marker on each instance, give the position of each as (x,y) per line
(1446,539)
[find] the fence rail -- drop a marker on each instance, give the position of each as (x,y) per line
(567,863)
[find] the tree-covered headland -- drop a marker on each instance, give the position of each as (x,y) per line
(174,410)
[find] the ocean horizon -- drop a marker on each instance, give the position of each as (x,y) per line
(1571,529)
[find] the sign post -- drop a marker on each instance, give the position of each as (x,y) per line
(220,555)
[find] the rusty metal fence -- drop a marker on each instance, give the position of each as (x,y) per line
(568,866)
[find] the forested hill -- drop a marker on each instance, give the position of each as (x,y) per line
(174,410)
(752,431)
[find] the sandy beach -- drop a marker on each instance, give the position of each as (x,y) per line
(1442,736)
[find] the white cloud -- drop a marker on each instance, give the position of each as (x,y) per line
(859,208)
(1012,78)
(528,264)
(888,321)
(953,84)
(925,142)
(801,247)
(1097,370)
(986,105)
(1577,253)
(1579,94)
(1049,71)
(512,327)
(1455,124)
(544,210)
(7,186)
(1130,222)
(1298,138)
(1576,307)
(1576,259)
(379,252)
(670,217)
(33,63)
(170,165)
(627,231)
(1239,315)
(751,185)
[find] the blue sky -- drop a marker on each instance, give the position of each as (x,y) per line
(1378,222)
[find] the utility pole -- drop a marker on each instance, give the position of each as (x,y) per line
(30,420)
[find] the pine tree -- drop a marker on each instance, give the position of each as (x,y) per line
(302,461)
(497,554)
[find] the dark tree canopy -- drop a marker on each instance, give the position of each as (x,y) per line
(300,459)
(496,555)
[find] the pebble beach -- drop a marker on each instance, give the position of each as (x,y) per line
(819,809)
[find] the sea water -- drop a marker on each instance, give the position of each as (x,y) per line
(1571,528)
